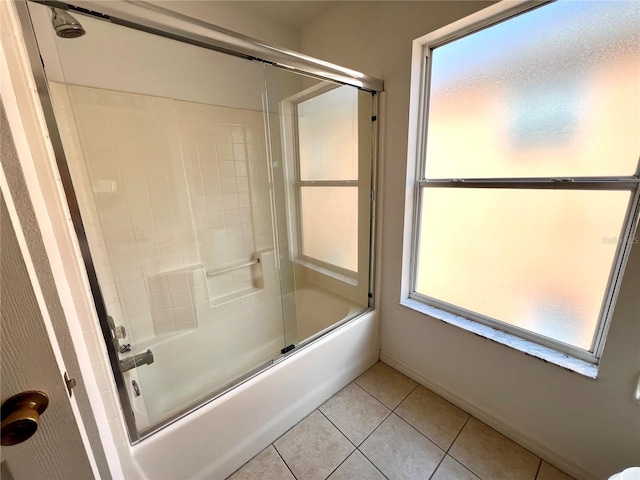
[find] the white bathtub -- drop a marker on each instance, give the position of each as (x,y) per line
(319,309)
(190,365)
(215,440)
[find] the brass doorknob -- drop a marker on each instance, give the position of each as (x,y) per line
(21,416)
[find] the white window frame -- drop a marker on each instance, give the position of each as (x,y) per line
(289,128)
(553,351)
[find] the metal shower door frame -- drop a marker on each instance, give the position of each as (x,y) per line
(221,40)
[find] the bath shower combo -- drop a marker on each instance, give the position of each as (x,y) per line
(202,169)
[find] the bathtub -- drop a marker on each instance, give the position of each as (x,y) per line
(319,309)
(218,438)
(191,365)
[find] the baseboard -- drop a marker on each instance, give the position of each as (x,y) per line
(497,424)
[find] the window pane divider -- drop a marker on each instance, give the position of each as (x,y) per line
(327,183)
(578,183)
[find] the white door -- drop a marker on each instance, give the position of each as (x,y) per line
(27,362)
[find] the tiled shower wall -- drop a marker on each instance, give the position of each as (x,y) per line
(165,186)
(224,156)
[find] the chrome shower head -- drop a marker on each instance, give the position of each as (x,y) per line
(65,25)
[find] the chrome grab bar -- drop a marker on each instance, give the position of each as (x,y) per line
(145,358)
(211,272)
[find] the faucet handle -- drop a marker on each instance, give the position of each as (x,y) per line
(120,331)
(125,348)
(116,332)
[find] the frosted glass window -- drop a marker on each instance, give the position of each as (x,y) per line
(330,225)
(328,135)
(553,92)
(526,182)
(535,259)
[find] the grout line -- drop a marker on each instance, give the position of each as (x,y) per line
(374,465)
(421,434)
(456,438)
(371,395)
(405,397)
(410,426)
(336,427)
(284,461)
(446,452)
(373,431)
(454,441)
(539,467)
(389,412)
(438,466)
(340,464)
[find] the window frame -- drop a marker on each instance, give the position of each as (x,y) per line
(418,126)
(289,117)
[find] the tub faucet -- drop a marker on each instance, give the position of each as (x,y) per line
(128,363)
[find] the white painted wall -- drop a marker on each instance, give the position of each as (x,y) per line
(590,428)
(237,19)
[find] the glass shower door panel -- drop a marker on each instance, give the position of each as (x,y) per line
(321,136)
(166,146)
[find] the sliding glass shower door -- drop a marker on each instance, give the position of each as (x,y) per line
(322,135)
(226,205)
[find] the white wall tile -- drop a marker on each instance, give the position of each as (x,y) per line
(180,297)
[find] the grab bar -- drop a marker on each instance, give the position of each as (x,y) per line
(211,272)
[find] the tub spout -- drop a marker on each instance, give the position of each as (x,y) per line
(128,363)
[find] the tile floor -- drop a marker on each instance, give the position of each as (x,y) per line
(386,426)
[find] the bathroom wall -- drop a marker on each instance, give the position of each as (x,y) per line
(590,428)
(167,186)
(240,18)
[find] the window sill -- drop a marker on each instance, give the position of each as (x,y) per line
(327,271)
(526,346)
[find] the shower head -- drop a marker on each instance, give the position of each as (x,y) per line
(65,25)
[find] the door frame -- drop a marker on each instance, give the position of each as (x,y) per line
(38,202)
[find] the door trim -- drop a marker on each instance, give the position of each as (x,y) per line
(33,198)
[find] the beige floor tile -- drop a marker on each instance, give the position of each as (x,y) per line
(434,417)
(449,469)
(313,448)
(386,384)
(354,412)
(400,452)
(491,455)
(549,472)
(267,465)
(356,467)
